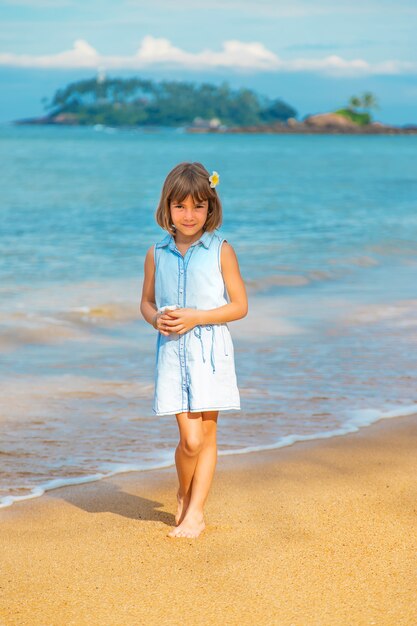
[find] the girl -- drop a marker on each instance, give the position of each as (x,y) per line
(195,273)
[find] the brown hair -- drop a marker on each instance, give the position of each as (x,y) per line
(189,179)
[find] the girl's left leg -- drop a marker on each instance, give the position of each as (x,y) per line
(193,521)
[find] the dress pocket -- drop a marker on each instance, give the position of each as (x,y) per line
(226,339)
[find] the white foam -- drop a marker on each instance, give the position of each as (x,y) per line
(358,419)
(56,483)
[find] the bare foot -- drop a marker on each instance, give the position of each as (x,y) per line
(191,526)
(183,502)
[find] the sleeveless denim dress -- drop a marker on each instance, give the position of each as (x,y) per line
(194,371)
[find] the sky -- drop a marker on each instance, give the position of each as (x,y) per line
(312,54)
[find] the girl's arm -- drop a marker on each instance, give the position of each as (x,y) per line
(147,305)
(182,320)
(238,305)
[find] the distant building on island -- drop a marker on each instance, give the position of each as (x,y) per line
(212,124)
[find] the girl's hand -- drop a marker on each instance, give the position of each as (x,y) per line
(180,320)
(159,323)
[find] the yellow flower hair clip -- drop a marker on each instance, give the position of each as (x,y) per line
(214,179)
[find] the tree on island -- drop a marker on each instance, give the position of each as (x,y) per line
(137,102)
(367,102)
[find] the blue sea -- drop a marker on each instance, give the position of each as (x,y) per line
(325,230)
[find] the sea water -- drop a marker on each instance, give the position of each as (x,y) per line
(325,230)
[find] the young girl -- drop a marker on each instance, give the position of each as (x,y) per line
(195,273)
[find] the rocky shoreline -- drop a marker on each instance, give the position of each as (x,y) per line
(322,123)
(303,129)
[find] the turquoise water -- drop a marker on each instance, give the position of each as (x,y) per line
(325,230)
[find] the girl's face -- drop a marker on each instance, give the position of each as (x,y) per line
(188,216)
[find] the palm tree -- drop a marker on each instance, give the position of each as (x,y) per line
(354,102)
(369,101)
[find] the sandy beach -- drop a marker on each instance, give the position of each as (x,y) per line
(318,533)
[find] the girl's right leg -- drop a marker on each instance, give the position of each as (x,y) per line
(186,456)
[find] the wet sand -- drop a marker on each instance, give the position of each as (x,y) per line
(318,533)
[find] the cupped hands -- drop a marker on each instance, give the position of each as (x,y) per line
(177,321)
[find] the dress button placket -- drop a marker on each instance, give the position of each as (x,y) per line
(181,300)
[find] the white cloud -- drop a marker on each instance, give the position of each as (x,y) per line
(81,55)
(234,55)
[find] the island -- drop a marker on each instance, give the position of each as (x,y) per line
(199,108)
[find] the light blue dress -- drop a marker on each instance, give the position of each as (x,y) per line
(194,371)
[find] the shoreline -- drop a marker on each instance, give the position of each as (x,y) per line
(318,532)
(350,427)
(300,128)
(308,130)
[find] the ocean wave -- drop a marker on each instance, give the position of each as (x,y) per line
(110,311)
(359,261)
(276,280)
(264,283)
(357,419)
(12,337)
(20,328)
(25,396)
(399,313)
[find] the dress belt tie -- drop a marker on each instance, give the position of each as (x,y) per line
(209,327)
